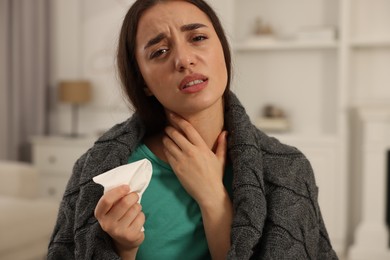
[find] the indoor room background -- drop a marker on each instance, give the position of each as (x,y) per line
(313,73)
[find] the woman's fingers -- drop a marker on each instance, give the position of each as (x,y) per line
(109,199)
(122,206)
(135,233)
(128,217)
(221,149)
(188,130)
(138,222)
(173,147)
(120,215)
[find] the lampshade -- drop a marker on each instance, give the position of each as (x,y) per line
(75,92)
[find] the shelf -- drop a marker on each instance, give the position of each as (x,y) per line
(64,140)
(306,140)
(270,44)
(370,102)
(371,43)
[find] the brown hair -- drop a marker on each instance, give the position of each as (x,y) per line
(149,108)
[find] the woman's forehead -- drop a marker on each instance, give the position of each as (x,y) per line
(171,13)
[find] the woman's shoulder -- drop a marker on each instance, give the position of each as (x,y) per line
(132,127)
(272,146)
(125,135)
(110,150)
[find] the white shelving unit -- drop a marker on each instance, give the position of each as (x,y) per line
(316,82)
(275,45)
(369,85)
(303,77)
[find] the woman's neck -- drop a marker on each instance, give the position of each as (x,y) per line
(209,124)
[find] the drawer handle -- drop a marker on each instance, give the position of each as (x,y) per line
(52,191)
(52,159)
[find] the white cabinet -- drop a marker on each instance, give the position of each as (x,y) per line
(55,158)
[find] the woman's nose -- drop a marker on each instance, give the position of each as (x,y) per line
(184,58)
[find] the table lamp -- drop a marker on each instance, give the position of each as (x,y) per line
(76,93)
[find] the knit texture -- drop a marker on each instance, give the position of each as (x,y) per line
(276,211)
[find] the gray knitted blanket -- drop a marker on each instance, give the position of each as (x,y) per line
(276,211)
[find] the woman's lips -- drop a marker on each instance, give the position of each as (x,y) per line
(193,83)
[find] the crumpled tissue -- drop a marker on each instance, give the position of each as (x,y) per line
(137,175)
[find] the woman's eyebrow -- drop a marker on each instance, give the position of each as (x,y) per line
(191,27)
(187,27)
(155,40)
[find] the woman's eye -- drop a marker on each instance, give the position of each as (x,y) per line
(199,38)
(158,53)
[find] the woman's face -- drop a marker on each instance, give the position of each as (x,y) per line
(181,58)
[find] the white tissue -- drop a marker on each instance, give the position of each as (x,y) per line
(137,175)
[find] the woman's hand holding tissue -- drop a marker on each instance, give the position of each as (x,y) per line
(121,216)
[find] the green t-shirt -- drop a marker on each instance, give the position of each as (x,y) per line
(173,225)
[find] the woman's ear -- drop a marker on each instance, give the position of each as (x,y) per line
(148,92)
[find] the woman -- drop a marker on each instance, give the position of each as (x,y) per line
(245,196)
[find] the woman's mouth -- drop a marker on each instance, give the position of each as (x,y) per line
(190,84)
(193,83)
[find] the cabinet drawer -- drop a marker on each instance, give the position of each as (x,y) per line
(53,186)
(55,159)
